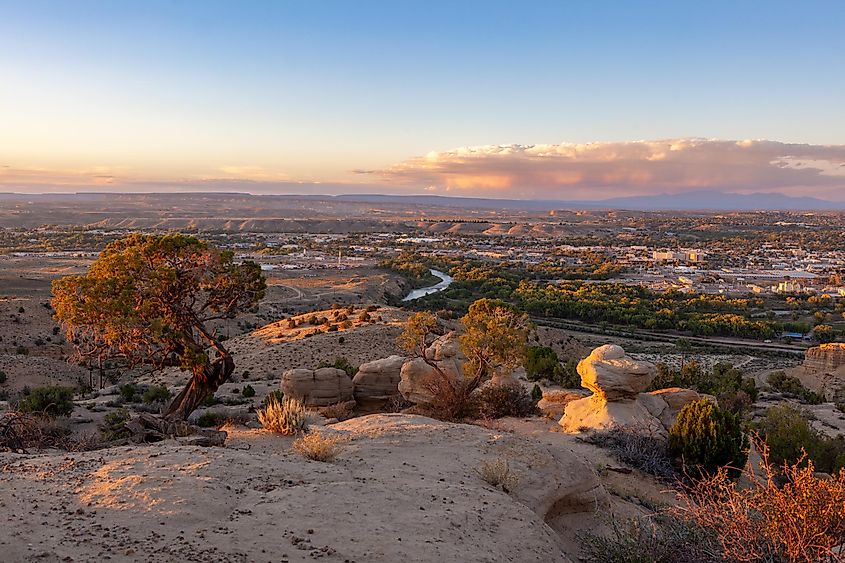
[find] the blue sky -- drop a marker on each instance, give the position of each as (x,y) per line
(186,92)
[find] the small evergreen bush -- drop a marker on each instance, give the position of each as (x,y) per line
(156,394)
(706,438)
(496,401)
(248,391)
(52,400)
(128,392)
(113,425)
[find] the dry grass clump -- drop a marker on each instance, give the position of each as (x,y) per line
(497,472)
(637,448)
(787,515)
(317,447)
(285,417)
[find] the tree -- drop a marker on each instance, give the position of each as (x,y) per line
(150,300)
(494,340)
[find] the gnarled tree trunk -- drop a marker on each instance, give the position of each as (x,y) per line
(200,386)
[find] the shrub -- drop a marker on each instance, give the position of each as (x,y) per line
(286,417)
(496,401)
(274,395)
(51,400)
(536,393)
(248,391)
(664,539)
(640,450)
(340,411)
(797,516)
(706,438)
(208,419)
(2,376)
(541,362)
(156,394)
(317,447)
(497,472)
(22,350)
(113,426)
(790,385)
(128,392)
(791,439)
(340,363)
(209,401)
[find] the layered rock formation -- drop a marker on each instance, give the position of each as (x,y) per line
(317,387)
(618,383)
(378,381)
(823,370)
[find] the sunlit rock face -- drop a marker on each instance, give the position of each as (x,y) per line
(612,374)
(823,370)
(618,383)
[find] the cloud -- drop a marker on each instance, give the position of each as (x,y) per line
(599,170)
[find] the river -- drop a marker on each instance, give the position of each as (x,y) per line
(445,281)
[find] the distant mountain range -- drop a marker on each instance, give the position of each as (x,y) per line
(702,200)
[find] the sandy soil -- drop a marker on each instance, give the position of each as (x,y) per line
(402,488)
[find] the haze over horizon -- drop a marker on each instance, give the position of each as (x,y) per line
(553,101)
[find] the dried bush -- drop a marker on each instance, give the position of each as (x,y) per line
(497,472)
(286,417)
(317,447)
(51,400)
(664,539)
(706,438)
(787,515)
(21,431)
(636,448)
(340,411)
(496,401)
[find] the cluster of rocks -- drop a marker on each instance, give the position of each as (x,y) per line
(618,384)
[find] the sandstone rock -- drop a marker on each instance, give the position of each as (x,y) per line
(378,381)
(554,401)
(416,376)
(317,388)
(596,413)
(610,373)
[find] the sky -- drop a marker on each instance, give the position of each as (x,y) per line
(550,100)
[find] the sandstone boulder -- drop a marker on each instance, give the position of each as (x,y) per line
(612,374)
(319,387)
(378,381)
(554,401)
(596,413)
(416,375)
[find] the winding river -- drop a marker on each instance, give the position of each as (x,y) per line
(445,281)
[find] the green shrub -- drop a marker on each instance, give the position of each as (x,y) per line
(128,392)
(156,394)
(208,419)
(286,417)
(791,438)
(51,400)
(536,393)
(2,376)
(340,363)
(705,437)
(541,362)
(113,425)
(209,401)
(248,391)
(496,401)
(790,385)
